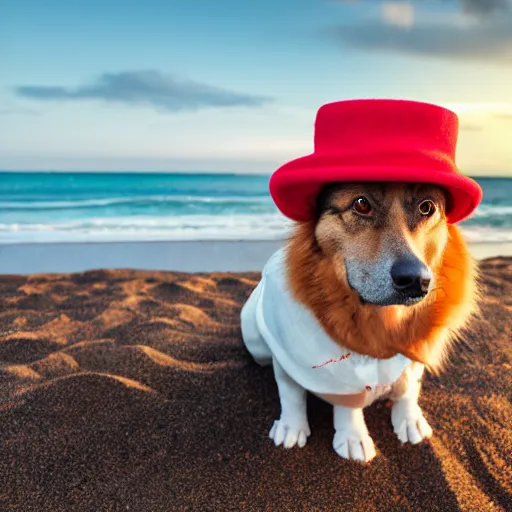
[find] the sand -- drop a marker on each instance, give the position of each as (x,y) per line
(131,390)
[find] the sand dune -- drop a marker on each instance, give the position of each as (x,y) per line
(131,390)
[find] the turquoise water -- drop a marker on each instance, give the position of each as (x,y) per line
(38,207)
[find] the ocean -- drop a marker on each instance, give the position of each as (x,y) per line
(72,207)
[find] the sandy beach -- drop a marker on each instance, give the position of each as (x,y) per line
(131,390)
(155,155)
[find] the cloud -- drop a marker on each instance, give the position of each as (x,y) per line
(400,14)
(486,40)
(475,7)
(162,92)
(485,7)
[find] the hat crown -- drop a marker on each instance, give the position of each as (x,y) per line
(377,140)
(385,126)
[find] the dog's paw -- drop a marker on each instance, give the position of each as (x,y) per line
(409,424)
(354,445)
(290,434)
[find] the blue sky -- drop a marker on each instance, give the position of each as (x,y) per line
(188,85)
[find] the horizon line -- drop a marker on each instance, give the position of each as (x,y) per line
(195,173)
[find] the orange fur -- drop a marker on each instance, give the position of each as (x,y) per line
(423,332)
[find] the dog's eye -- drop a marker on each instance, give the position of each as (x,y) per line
(427,208)
(362,206)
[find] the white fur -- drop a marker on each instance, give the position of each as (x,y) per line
(351,438)
(408,421)
(292,428)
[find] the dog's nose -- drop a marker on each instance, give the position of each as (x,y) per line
(410,277)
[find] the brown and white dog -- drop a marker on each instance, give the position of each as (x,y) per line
(383,274)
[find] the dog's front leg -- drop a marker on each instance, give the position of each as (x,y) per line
(351,438)
(408,421)
(292,428)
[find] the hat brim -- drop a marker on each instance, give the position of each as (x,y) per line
(295,186)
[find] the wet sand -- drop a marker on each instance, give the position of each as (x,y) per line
(185,256)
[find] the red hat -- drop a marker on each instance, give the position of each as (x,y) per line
(377,140)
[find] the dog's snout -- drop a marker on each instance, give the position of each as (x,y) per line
(410,277)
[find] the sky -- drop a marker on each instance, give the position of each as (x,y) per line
(201,85)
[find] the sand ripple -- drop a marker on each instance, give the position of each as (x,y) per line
(127,390)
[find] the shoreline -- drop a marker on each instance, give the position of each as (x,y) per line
(179,256)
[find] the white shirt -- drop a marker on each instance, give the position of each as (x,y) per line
(275,325)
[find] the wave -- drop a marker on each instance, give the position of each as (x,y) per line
(486,234)
(118,201)
(153,222)
(183,227)
(172,205)
(186,227)
(486,210)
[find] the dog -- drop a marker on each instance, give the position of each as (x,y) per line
(362,297)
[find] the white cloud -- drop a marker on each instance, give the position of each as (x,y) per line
(398,14)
